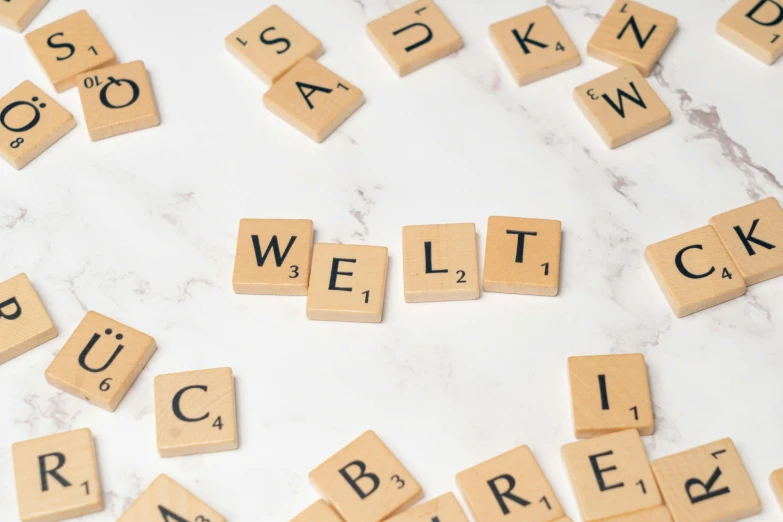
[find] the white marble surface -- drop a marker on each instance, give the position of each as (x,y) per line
(143,228)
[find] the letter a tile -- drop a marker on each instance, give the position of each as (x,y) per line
(365,482)
(166,501)
(756,26)
(24,323)
(443,508)
(18,14)
(776,481)
(320,511)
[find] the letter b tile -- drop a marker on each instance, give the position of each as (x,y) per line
(24,323)
(755,26)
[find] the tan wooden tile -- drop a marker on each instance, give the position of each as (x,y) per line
(756,26)
(534,45)
(776,481)
(347,283)
(610,393)
(24,323)
(117,100)
(444,508)
(195,412)
(57,477)
(621,106)
(101,360)
(271,43)
(510,488)
(611,475)
(707,484)
(30,123)
(656,514)
(634,34)
(440,263)
(318,512)
(414,36)
(522,256)
(273,256)
(166,501)
(694,271)
(365,482)
(753,235)
(17,14)
(69,47)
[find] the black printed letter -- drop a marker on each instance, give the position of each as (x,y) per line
(753,11)
(274,246)
(620,94)
(599,472)
(86,352)
(53,472)
(746,240)
(15,314)
(335,272)
(178,397)
(520,242)
(527,39)
(53,45)
(312,88)
(684,271)
(507,494)
(428,260)
(286,41)
(420,42)
(376,482)
(635,28)
(707,487)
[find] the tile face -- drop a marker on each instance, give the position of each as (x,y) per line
(657,514)
(776,481)
(511,488)
(101,360)
(195,412)
(69,47)
(440,263)
(24,323)
(611,475)
(273,256)
(57,477)
(414,36)
(347,283)
(534,45)
(756,26)
(17,14)
(633,34)
(753,235)
(166,501)
(30,123)
(443,508)
(365,482)
(522,256)
(694,271)
(610,393)
(707,484)
(117,100)
(318,512)
(621,106)
(271,43)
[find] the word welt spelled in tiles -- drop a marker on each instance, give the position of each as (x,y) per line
(755,26)
(24,322)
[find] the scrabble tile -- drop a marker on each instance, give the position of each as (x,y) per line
(611,475)
(756,26)
(695,271)
(414,36)
(621,106)
(271,43)
(273,256)
(24,323)
(347,283)
(510,488)
(166,501)
(440,263)
(776,480)
(101,360)
(633,34)
(610,393)
(365,482)
(707,484)
(30,123)
(57,477)
(117,100)
(69,47)
(534,45)
(443,508)
(753,235)
(195,412)
(522,256)
(656,514)
(17,14)
(318,512)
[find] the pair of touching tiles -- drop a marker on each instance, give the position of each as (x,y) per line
(17,14)
(166,501)
(755,26)
(24,322)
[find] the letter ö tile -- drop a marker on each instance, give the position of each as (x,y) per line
(18,14)
(756,26)
(24,323)
(319,511)
(166,501)
(443,508)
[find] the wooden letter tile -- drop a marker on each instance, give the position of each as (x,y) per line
(17,14)
(657,514)
(273,256)
(117,100)
(440,263)
(610,393)
(611,475)
(347,283)
(57,477)
(776,481)
(634,34)
(69,47)
(510,488)
(101,360)
(195,412)
(707,484)
(24,323)
(695,271)
(271,43)
(534,45)
(622,106)
(443,508)
(320,511)
(165,500)
(753,235)
(414,36)
(755,26)
(365,482)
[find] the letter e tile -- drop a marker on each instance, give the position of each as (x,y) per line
(166,501)
(24,323)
